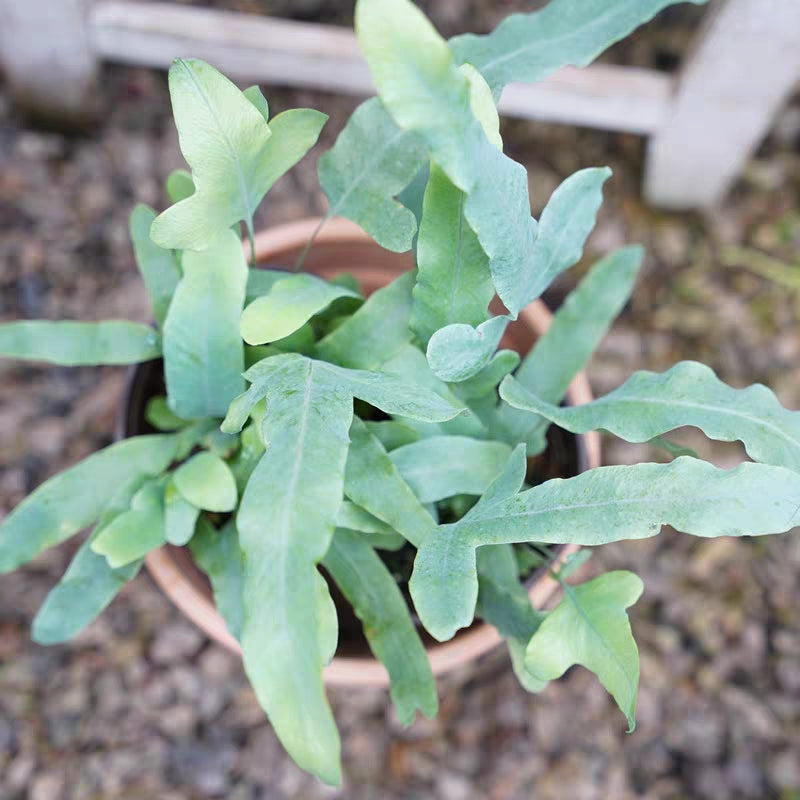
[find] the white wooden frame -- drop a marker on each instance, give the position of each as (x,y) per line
(703,124)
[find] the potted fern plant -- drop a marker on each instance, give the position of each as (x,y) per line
(295,434)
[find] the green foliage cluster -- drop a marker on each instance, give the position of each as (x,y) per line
(265,471)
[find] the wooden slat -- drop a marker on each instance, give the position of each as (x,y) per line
(746,62)
(282,52)
(47,60)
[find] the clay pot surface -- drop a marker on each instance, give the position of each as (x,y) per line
(342,246)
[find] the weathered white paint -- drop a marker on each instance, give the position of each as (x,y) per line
(704,126)
(46,57)
(745,63)
(277,51)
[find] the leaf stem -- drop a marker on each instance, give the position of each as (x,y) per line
(251,236)
(302,257)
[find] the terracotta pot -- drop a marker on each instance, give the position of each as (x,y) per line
(342,246)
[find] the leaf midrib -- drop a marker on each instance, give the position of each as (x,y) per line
(706,498)
(231,149)
(552,42)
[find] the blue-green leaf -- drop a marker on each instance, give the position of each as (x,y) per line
(426,93)
(384,391)
(602,505)
(577,328)
(88,585)
(488,379)
(504,603)
(453,279)
(74,344)
(371,163)
(528,47)
(650,403)
(444,466)
(392,434)
(131,535)
(286,520)
(77,497)
(288,306)
(590,627)
(203,349)
(458,351)
(373,482)
(376,332)
(376,599)
(158,267)
(217,553)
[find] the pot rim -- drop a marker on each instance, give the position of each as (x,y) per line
(468,644)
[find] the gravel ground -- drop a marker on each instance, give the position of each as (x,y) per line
(141,705)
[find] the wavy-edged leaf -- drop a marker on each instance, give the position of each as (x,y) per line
(590,627)
(88,585)
(207,482)
(425,92)
(355,518)
(158,267)
(393,434)
(76,497)
(528,47)
(373,482)
(223,137)
(203,349)
(411,366)
(234,154)
(217,553)
(577,328)
(391,394)
(82,594)
(649,404)
(286,520)
(74,344)
(453,279)
(294,133)
(288,306)
(376,599)
(602,505)
(565,224)
(458,351)
(444,466)
(371,162)
(131,535)
(180,516)
(384,391)
(504,603)
(376,331)
(673,448)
